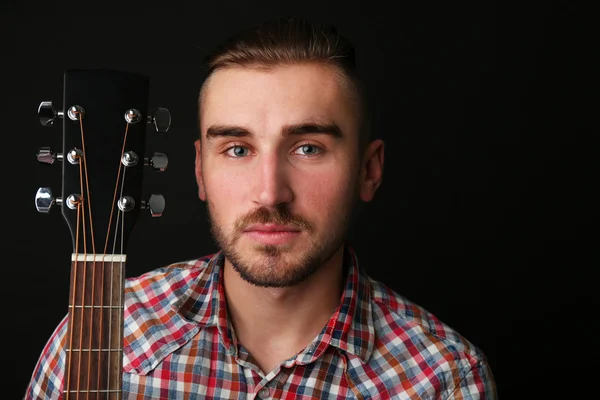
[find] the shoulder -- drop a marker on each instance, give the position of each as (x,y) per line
(416,344)
(403,315)
(165,284)
(156,323)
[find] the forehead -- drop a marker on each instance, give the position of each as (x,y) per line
(268,98)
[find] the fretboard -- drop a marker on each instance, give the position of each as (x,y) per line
(95,335)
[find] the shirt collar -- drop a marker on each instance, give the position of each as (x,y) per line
(350,328)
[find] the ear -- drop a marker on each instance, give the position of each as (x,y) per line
(198,169)
(371,170)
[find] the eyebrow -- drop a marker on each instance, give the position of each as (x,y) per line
(331,129)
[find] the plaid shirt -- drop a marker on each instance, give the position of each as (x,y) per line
(179,344)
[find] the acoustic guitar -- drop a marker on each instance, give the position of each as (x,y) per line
(104,119)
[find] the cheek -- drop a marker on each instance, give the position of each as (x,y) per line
(224,189)
(326,195)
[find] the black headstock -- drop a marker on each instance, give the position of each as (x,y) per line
(104,119)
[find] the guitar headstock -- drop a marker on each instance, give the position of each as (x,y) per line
(104,119)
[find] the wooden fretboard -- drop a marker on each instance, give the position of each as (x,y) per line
(95,335)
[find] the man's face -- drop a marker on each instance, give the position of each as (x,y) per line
(278,166)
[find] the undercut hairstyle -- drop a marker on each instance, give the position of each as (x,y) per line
(288,41)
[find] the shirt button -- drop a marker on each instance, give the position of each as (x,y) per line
(264,393)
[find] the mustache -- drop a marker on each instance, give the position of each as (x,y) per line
(277,215)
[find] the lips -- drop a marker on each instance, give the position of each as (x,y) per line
(271,228)
(271,234)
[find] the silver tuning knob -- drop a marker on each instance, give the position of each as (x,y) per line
(44,200)
(158,161)
(46,156)
(161,119)
(156,205)
(48,114)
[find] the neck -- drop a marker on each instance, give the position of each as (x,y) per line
(95,336)
(289,317)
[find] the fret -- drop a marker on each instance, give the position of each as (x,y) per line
(94,391)
(119,350)
(92,306)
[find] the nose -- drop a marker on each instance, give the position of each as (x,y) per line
(272,181)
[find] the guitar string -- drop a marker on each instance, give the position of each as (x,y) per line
(116,188)
(105,252)
(83,164)
(71,319)
(87,186)
(84,279)
(93,285)
(119,212)
(110,339)
(121,315)
(120,311)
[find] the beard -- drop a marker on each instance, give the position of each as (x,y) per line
(275,266)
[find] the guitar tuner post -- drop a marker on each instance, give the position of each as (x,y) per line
(126,203)
(74,156)
(73,201)
(129,159)
(76,113)
(133,116)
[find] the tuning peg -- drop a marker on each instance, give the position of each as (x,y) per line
(44,200)
(48,114)
(156,205)
(158,161)
(46,156)
(161,119)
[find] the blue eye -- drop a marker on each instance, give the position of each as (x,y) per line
(238,151)
(310,150)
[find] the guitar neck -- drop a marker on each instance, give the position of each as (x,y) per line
(103,117)
(95,335)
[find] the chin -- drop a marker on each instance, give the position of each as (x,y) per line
(274,266)
(271,250)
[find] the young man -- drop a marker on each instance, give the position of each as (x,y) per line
(284,309)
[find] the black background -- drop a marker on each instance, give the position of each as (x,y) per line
(486,215)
